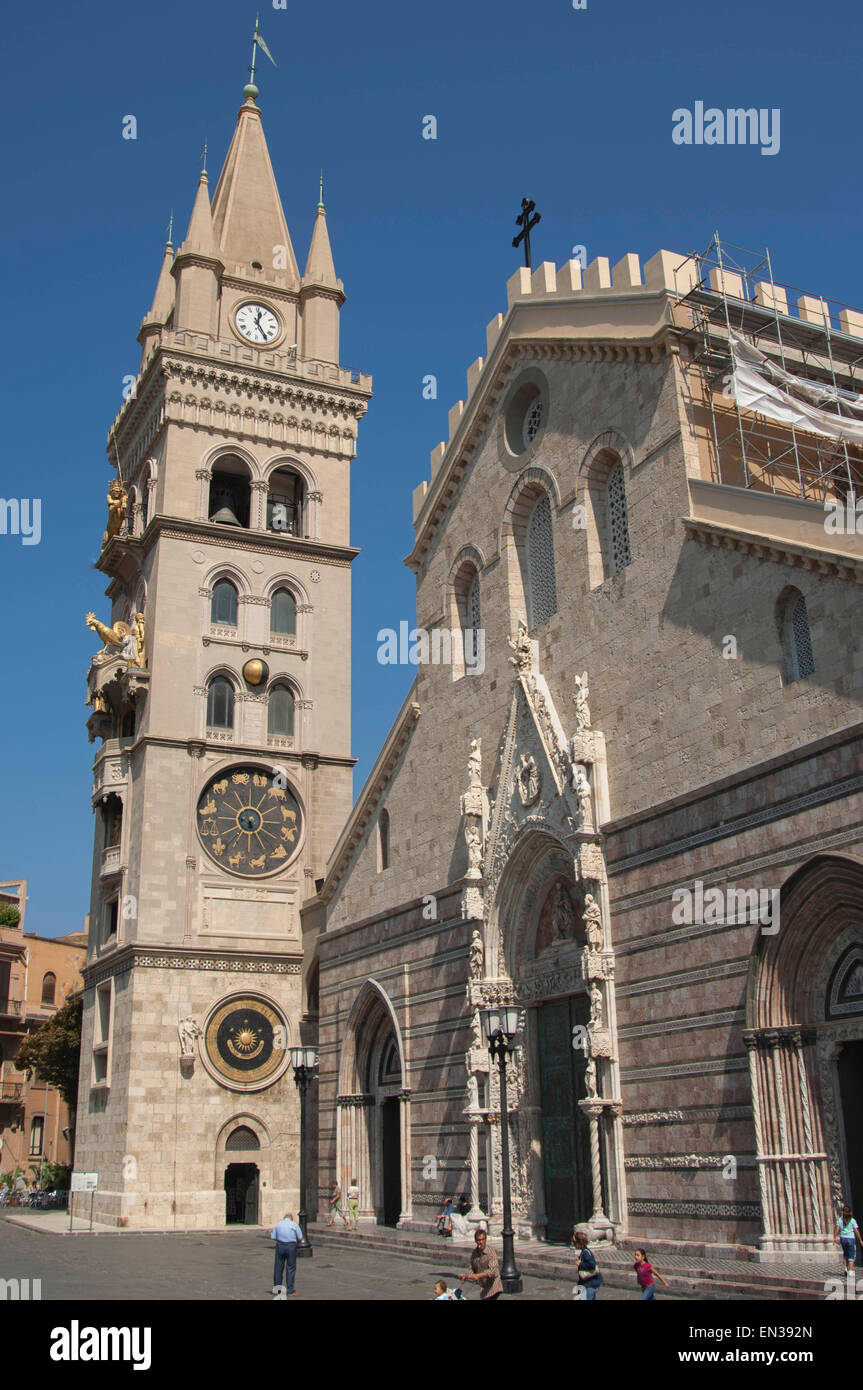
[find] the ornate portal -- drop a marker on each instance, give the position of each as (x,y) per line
(247,824)
(245,1043)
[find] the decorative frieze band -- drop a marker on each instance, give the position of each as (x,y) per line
(132,956)
(706,1211)
(698,1114)
(676,1162)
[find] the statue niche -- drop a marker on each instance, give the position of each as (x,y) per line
(560,919)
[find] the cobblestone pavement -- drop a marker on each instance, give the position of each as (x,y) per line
(237,1265)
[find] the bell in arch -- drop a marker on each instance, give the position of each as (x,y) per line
(223,502)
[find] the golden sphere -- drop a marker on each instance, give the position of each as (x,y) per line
(255,672)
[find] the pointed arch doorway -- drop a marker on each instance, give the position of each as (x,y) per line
(373,1142)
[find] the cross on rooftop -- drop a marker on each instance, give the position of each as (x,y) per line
(526,222)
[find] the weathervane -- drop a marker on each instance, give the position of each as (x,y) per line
(526,222)
(250,90)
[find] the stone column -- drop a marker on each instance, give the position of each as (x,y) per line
(258,505)
(751,1041)
(599,1224)
(405,1136)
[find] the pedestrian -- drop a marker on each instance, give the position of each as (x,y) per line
(353,1205)
(848,1234)
(336,1204)
(463,1204)
(4,1194)
(484,1269)
(285,1233)
(644,1273)
(444,1221)
(589,1277)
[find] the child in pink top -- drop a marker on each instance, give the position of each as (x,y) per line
(644,1273)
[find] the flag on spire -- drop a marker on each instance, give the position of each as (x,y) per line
(259,40)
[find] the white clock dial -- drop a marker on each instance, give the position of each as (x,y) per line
(257,323)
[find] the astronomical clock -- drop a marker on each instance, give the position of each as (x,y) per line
(245,1043)
(247,824)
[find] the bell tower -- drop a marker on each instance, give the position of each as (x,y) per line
(220,706)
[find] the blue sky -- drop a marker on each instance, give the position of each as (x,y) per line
(573,108)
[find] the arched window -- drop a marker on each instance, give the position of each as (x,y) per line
(220,703)
(223,608)
(146,491)
(283,613)
(280,711)
(473,613)
(384,840)
(539,555)
(285,502)
(619,553)
(49,985)
(796,638)
(230,493)
(242,1138)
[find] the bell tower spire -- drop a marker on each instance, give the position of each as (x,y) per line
(163,302)
(198,268)
(322,294)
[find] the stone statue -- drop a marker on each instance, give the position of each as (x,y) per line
(522,646)
(474,763)
(117,499)
(590,1078)
(595,1005)
(580,696)
(139,633)
(474,850)
(476,1028)
(472,1086)
(562,916)
(528,779)
(112,637)
(188,1031)
(581,787)
(477,955)
(592,922)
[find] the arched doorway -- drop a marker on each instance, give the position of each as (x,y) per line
(373,1107)
(546,935)
(241,1194)
(804,1039)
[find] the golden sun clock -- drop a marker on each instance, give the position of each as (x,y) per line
(245,1043)
(247,823)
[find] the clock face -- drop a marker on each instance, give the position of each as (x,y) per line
(245,1043)
(247,822)
(257,323)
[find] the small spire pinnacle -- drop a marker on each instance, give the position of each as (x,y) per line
(170,241)
(250,91)
(204,159)
(321,193)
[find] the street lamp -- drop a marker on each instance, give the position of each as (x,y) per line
(501,1026)
(304,1061)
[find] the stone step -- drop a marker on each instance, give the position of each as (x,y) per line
(736,1280)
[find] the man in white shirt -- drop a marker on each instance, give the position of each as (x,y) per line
(285,1233)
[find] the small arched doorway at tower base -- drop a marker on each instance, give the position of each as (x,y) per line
(243,1169)
(242,1194)
(373,1109)
(804,1039)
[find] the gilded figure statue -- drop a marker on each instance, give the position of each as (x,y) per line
(117,499)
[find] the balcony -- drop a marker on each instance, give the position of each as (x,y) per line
(10,1008)
(11,1092)
(110,861)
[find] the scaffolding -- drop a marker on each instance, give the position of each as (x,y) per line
(727,290)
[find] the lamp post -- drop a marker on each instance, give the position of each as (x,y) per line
(304,1061)
(501,1026)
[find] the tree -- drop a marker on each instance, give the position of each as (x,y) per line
(9,916)
(54,1051)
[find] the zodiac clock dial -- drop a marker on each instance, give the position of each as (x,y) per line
(247,823)
(245,1043)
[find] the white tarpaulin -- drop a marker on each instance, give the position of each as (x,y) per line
(815,391)
(753,391)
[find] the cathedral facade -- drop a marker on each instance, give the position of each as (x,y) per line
(220,702)
(637,818)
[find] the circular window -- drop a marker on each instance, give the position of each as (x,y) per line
(523,417)
(532,422)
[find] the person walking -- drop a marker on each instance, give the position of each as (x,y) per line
(336,1204)
(644,1273)
(848,1234)
(444,1295)
(589,1277)
(484,1269)
(285,1233)
(353,1206)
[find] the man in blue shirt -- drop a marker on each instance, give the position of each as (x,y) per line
(285,1233)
